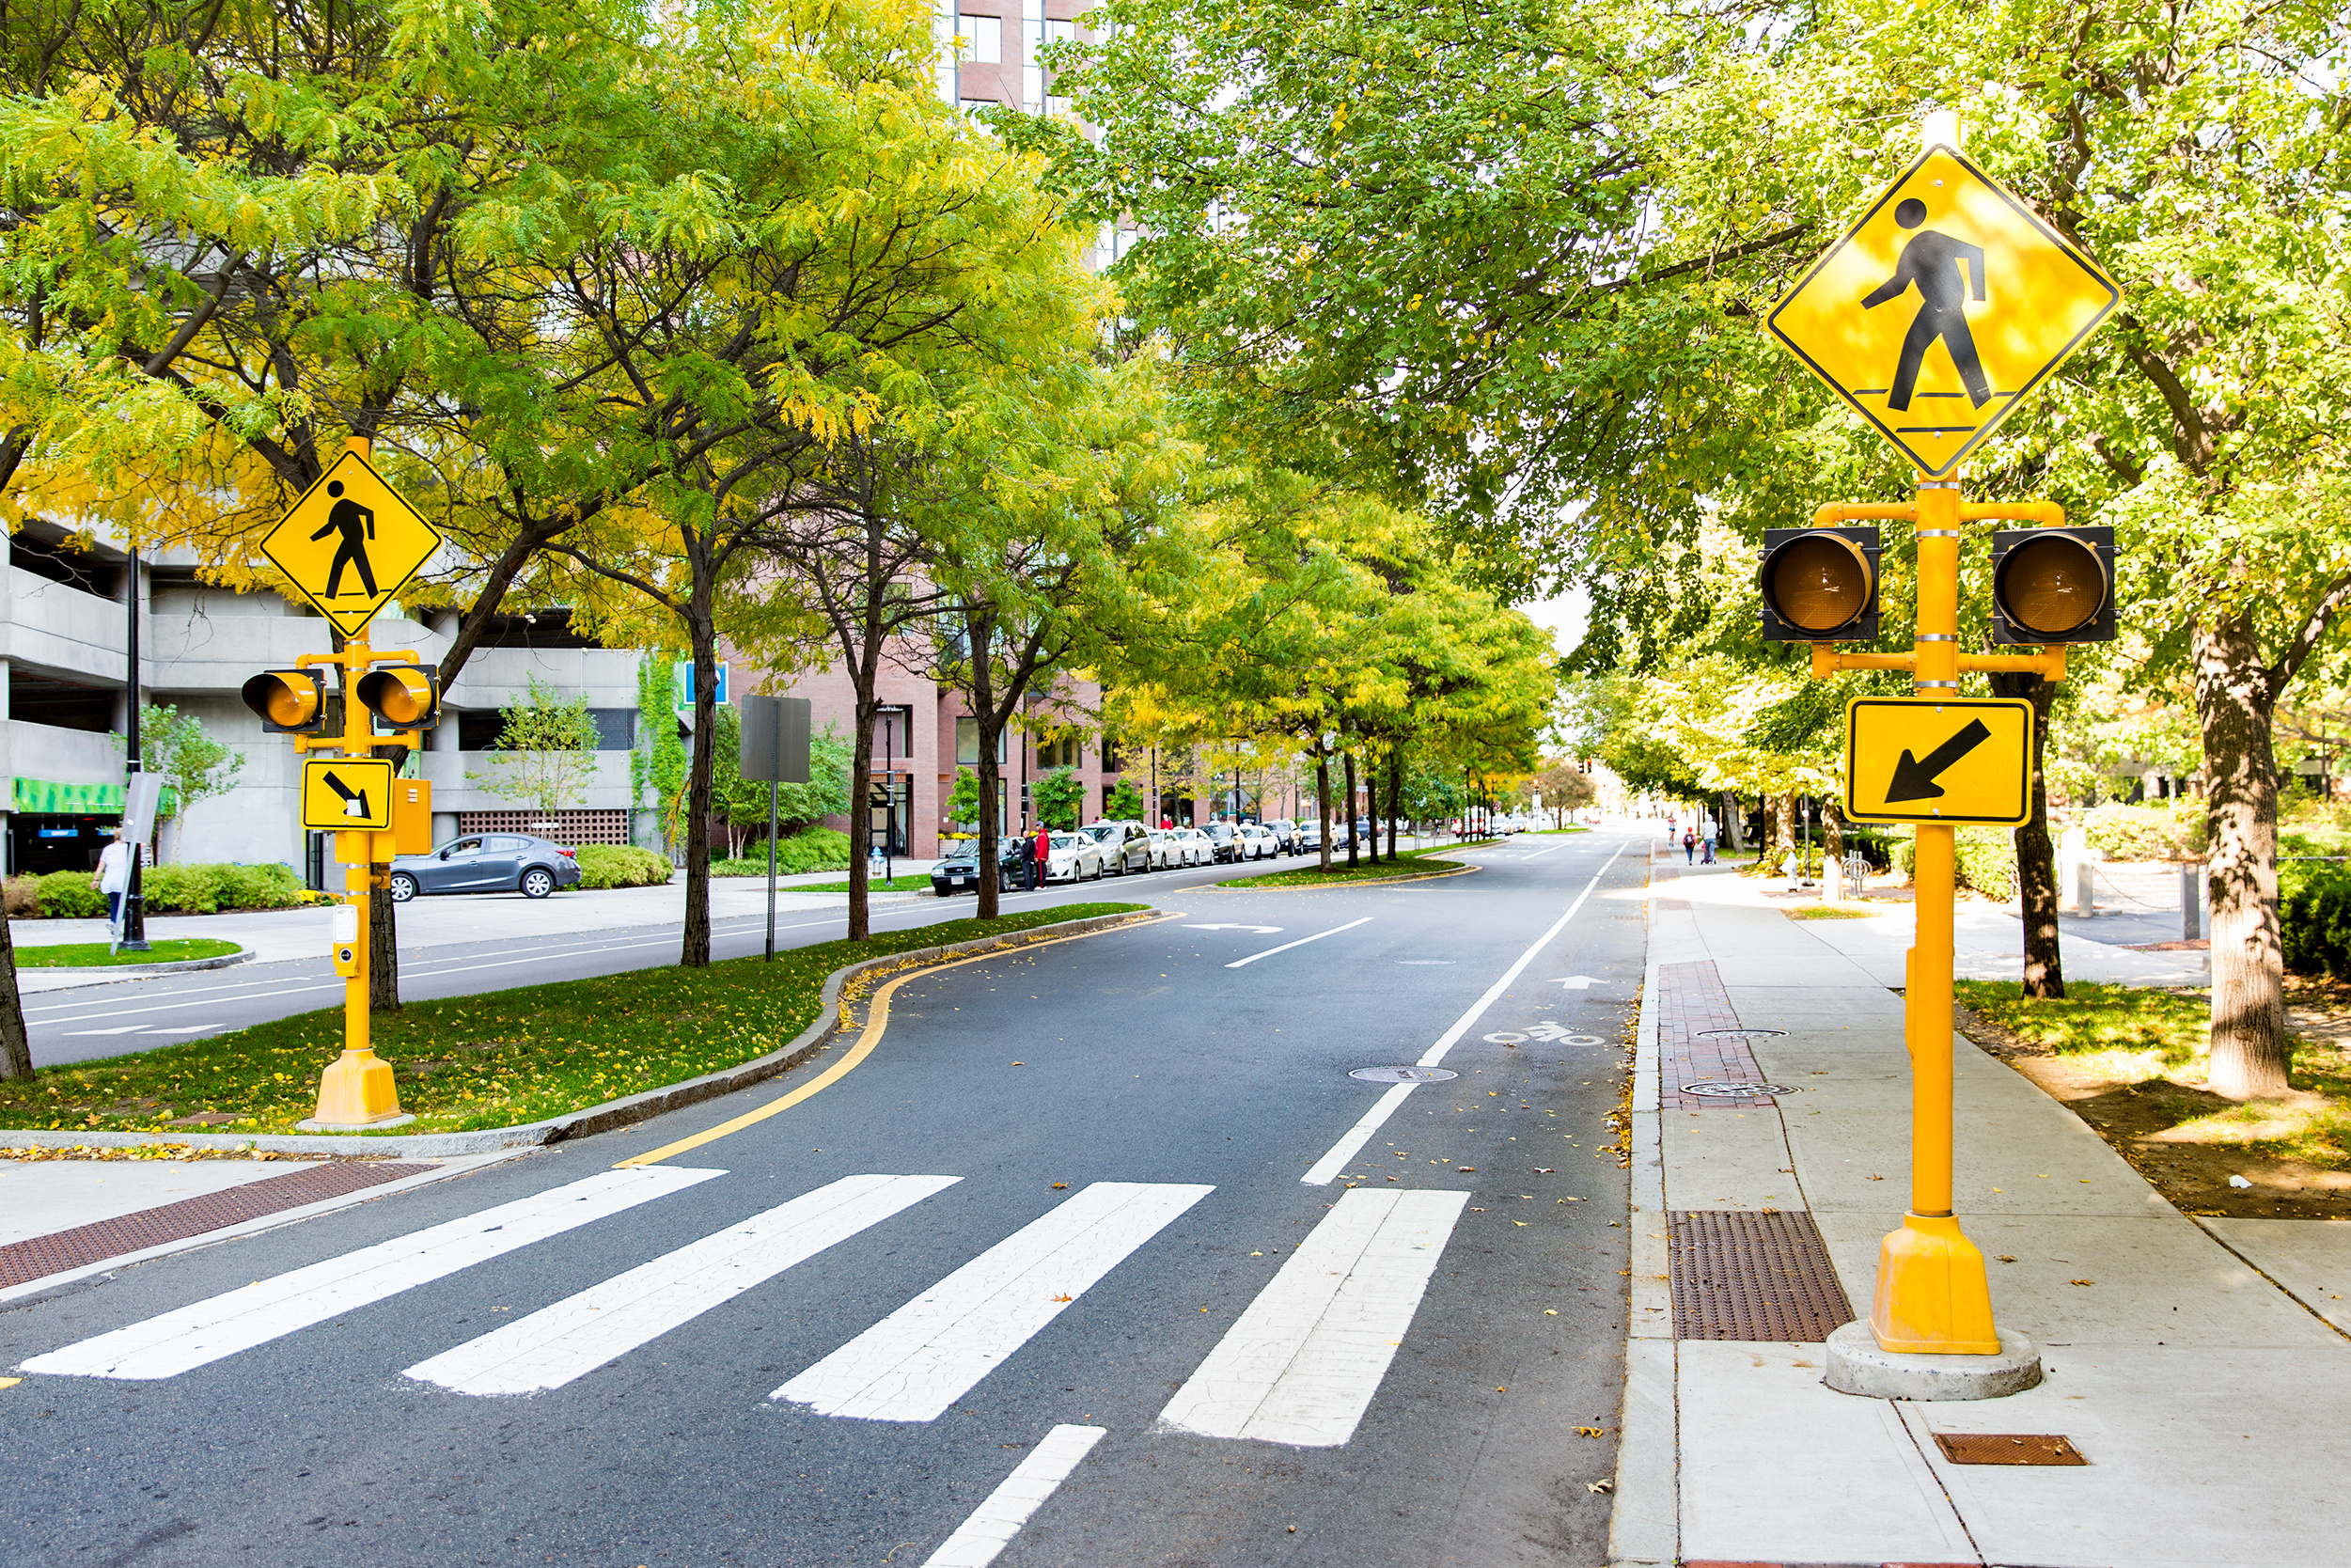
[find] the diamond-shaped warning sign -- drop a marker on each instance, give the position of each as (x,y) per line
(1942,308)
(350,545)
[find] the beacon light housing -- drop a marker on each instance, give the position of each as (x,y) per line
(1819,584)
(2053,586)
(403,695)
(287,701)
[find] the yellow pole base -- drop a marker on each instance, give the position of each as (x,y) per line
(356,1090)
(1933,1298)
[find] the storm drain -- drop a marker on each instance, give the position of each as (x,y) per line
(41,1256)
(1743,1275)
(1403,1074)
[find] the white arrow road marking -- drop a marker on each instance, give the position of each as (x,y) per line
(575,1336)
(1572,982)
(1303,1361)
(208,1331)
(993,1523)
(923,1357)
(1244,963)
(1261,930)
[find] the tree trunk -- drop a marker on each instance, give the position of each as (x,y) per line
(1832,844)
(1354,838)
(1766,829)
(1322,803)
(1784,821)
(1733,822)
(384,957)
(2036,854)
(980,632)
(702,633)
(2235,706)
(16,1047)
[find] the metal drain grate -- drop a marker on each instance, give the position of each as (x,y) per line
(1744,1275)
(2007,1448)
(41,1256)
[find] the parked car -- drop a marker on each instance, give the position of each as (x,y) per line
(1225,841)
(1198,848)
(1072,858)
(1257,842)
(487,863)
(1166,848)
(1125,845)
(1285,834)
(1309,838)
(958,871)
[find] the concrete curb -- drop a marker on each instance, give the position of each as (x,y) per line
(1644,1526)
(77,975)
(592,1118)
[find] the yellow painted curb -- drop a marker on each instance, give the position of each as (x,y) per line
(877,1020)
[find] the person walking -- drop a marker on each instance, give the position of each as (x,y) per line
(113,878)
(1689,846)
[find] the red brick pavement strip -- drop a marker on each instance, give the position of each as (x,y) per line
(1691,999)
(38,1257)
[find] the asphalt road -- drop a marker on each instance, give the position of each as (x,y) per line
(88,1023)
(1058,1222)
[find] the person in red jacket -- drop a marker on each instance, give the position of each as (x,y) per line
(1045,849)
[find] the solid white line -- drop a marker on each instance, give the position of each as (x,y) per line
(993,1523)
(1303,1363)
(1331,1164)
(206,1331)
(922,1358)
(575,1336)
(1357,1136)
(1301,942)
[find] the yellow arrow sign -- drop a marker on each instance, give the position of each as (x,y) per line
(347,795)
(1936,313)
(1930,759)
(350,545)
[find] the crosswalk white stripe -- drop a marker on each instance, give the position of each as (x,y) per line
(604,1322)
(993,1523)
(1303,1361)
(206,1331)
(915,1363)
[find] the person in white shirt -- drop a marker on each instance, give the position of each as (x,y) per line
(113,876)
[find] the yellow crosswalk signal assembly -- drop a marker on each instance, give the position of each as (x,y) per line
(1819,584)
(403,695)
(2053,585)
(290,701)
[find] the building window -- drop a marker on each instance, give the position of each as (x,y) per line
(1109,755)
(1067,752)
(61,704)
(615,729)
(967,742)
(983,39)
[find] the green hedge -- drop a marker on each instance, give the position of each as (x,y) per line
(197,889)
(1987,856)
(818,849)
(68,896)
(621,865)
(2316,920)
(2169,832)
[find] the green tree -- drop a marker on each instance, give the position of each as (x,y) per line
(195,768)
(545,752)
(1125,801)
(657,763)
(962,801)
(827,793)
(1060,796)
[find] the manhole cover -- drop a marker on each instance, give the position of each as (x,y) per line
(1740,1034)
(1732,1089)
(1579,1039)
(1403,1074)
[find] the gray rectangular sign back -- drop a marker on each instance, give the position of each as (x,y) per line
(775,740)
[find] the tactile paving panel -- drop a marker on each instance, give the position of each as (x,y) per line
(2007,1448)
(38,1257)
(1748,1275)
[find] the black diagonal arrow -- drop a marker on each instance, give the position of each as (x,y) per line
(1914,776)
(356,801)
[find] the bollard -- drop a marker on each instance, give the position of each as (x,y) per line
(2191,902)
(2085,899)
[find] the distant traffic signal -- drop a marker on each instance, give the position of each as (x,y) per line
(2053,585)
(403,695)
(290,701)
(1819,584)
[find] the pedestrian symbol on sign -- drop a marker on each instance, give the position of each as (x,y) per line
(357,526)
(1934,262)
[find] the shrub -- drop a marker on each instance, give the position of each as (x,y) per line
(2170,832)
(68,896)
(184,889)
(269,885)
(621,865)
(2316,920)
(818,849)
(23,895)
(1986,858)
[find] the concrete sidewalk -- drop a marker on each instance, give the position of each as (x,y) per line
(2202,1368)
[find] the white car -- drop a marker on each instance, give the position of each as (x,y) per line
(1198,848)
(1257,843)
(1072,858)
(1166,849)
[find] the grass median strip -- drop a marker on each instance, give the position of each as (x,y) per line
(1419,862)
(88,955)
(495,1059)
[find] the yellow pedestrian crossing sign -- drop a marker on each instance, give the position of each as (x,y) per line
(350,545)
(1936,313)
(348,794)
(1938,760)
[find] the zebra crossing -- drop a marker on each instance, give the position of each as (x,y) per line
(1301,1365)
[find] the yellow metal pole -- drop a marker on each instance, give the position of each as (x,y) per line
(1931,1293)
(356,1090)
